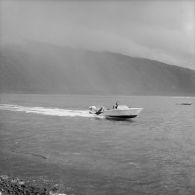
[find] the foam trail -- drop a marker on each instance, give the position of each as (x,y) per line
(47,111)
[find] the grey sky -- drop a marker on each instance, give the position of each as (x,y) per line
(161,30)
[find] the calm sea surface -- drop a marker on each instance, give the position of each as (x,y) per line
(54,136)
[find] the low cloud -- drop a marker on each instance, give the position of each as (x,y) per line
(159,30)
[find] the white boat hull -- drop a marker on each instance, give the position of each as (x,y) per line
(116,113)
(122,111)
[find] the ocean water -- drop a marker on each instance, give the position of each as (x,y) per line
(54,136)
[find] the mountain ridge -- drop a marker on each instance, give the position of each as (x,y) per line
(46,68)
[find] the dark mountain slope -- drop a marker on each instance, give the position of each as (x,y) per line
(45,68)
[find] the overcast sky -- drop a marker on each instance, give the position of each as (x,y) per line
(156,29)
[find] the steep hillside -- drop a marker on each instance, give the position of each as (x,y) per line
(44,68)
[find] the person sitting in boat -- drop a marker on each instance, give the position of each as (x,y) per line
(116,105)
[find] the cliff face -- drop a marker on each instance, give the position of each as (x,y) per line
(44,68)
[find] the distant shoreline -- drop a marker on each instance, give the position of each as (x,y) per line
(100,95)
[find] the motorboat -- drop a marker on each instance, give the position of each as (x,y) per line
(121,112)
(185,103)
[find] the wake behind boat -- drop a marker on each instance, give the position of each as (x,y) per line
(119,111)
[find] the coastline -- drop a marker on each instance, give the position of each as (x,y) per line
(25,186)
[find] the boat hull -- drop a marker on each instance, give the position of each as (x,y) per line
(121,116)
(128,113)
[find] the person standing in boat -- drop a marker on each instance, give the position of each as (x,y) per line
(116,105)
